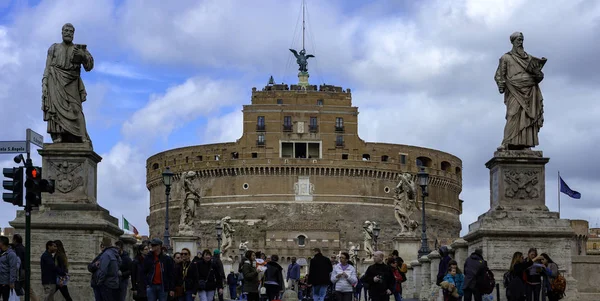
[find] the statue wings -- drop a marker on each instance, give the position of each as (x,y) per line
(309,55)
(294,52)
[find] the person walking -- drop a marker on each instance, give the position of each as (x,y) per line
(19,248)
(232,284)
(343,278)
(274,279)
(380,279)
(9,268)
(124,269)
(108,273)
(159,272)
(474,269)
(250,273)
(186,276)
(138,279)
(62,270)
(318,276)
(210,278)
(48,268)
(293,275)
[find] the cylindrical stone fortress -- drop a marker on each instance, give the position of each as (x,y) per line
(300,177)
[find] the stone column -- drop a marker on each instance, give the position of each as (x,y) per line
(425,278)
(460,247)
(407,246)
(408,287)
(416,279)
(72,215)
(435,259)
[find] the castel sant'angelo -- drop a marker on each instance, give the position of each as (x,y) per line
(299,177)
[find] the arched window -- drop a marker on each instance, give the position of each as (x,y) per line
(458,170)
(424,161)
(301,240)
(445,166)
(155,166)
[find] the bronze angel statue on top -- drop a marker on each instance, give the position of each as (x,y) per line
(302,59)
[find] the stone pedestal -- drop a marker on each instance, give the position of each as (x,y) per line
(71,215)
(408,247)
(518,218)
(303,79)
(190,242)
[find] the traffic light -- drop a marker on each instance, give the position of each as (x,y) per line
(36,185)
(15,186)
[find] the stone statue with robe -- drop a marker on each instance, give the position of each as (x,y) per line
(190,203)
(63,92)
(405,203)
(518,77)
(368,242)
(227,235)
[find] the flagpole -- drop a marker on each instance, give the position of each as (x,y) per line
(558,180)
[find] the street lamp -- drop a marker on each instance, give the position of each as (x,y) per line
(376,231)
(219,228)
(355,255)
(242,253)
(423,178)
(167,180)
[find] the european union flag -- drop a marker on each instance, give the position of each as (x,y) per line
(564,188)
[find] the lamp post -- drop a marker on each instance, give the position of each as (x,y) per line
(423,178)
(167,180)
(242,254)
(355,255)
(219,228)
(376,231)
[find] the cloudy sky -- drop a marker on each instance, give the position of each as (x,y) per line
(421,73)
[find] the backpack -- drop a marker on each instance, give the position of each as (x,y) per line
(488,283)
(558,286)
(507,278)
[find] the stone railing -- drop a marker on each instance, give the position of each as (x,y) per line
(422,273)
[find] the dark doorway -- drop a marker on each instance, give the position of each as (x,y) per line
(300,150)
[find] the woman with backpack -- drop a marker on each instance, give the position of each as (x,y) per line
(551,273)
(513,279)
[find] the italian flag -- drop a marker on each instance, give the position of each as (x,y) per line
(129,227)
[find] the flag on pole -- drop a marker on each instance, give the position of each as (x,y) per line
(129,227)
(564,188)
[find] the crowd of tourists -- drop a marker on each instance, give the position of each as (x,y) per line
(153,275)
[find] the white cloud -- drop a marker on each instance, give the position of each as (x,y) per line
(225,128)
(119,70)
(180,104)
(122,184)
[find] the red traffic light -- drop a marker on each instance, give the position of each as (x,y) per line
(34,173)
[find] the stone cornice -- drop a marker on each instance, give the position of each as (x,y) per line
(436,181)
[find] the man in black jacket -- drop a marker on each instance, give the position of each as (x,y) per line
(160,273)
(474,269)
(124,269)
(49,271)
(19,248)
(380,279)
(318,276)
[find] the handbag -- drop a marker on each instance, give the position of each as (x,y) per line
(202,283)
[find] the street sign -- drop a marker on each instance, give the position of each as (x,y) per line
(12,147)
(35,138)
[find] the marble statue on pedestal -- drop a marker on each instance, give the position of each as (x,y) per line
(227,236)
(368,232)
(63,92)
(189,204)
(518,77)
(405,195)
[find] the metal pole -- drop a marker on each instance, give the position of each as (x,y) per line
(167,236)
(28,208)
(424,246)
(558,194)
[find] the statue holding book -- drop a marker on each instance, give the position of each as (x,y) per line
(63,92)
(518,77)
